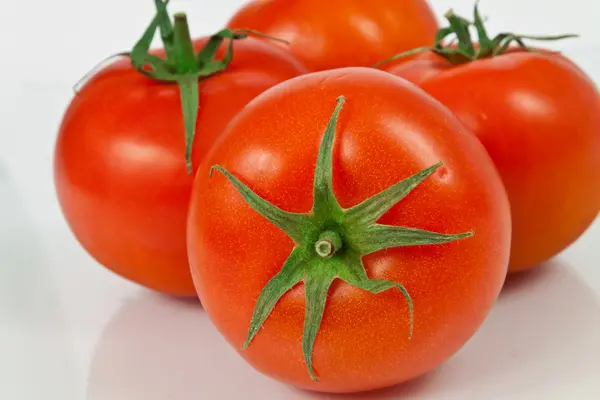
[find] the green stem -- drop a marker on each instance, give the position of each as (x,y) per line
(460,27)
(182,65)
(328,244)
(165,26)
(184,48)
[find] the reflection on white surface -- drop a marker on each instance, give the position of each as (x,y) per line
(158,348)
(542,340)
(36,359)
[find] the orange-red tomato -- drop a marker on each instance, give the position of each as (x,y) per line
(327,34)
(538,115)
(120,169)
(387,131)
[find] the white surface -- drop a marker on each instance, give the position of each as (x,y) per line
(71,330)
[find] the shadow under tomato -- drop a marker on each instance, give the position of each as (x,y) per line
(158,348)
(185,300)
(3,174)
(37,358)
(541,335)
(414,388)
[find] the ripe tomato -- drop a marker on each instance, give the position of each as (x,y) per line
(387,131)
(120,169)
(538,115)
(342,33)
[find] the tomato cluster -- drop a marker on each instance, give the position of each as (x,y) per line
(343,185)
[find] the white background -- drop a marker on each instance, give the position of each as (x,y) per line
(71,330)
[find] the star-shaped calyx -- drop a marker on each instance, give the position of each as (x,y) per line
(182,65)
(330,242)
(462,49)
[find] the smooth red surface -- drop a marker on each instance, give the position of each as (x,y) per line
(120,169)
(328,34)
(538,115)
(387,131)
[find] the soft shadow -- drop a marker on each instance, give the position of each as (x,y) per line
(3,174)
(408,390)
(541,338)
(37,355)
(544,329)
(542,334)
(522,281)
(185,300)
(158,347)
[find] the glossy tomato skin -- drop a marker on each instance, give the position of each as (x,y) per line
(120,169)
(387,131)
(538,115)
(342,33)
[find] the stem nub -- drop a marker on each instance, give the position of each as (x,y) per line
(328,244)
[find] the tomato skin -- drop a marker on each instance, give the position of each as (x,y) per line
(538,115)
(120,169)
(387,131)
(342,33)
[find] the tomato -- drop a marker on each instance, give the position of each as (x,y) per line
(342,33)
(538,116)
(387,131)
(120,169)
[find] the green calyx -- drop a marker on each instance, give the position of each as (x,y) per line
(330,242)
(182,65)
(461,49)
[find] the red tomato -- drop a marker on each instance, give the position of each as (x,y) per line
(342,33)
(538,115)
(387,131)
(120,170)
